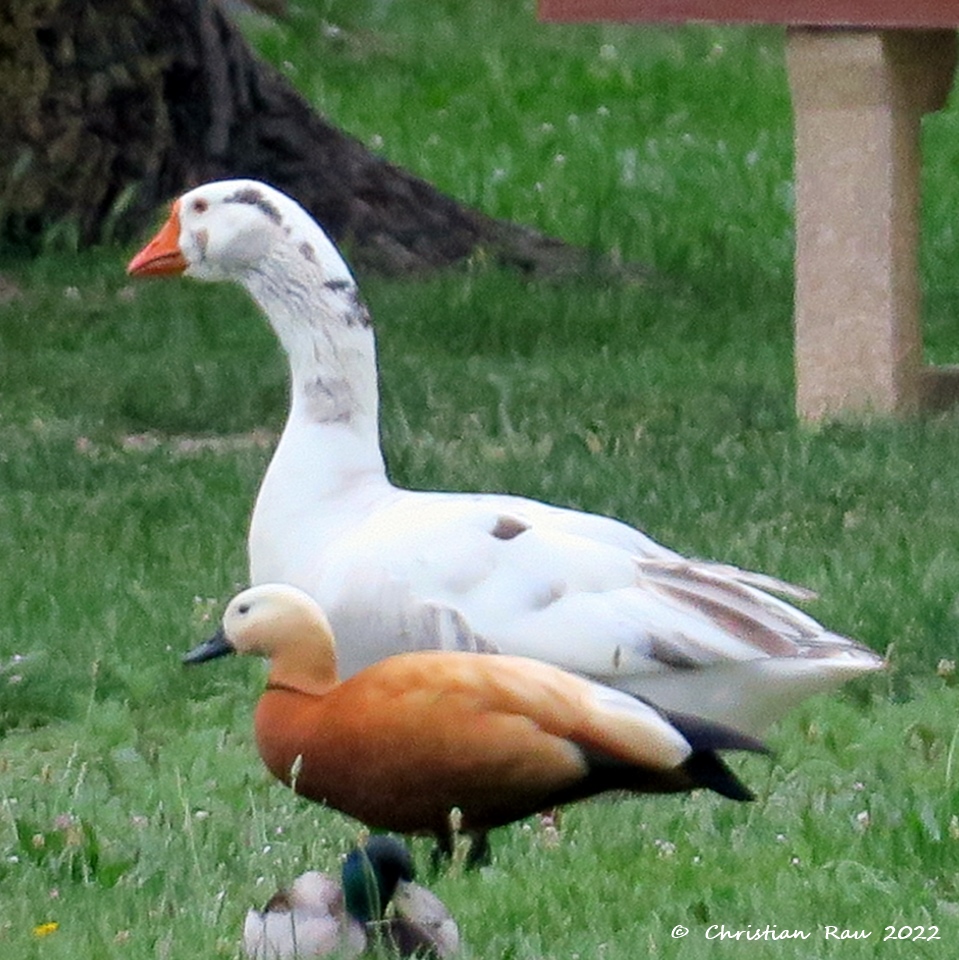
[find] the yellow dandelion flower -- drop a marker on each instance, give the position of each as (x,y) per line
(45,929)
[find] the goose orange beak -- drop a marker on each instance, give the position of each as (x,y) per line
(162,255)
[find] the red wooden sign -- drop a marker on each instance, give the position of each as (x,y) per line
(833,13)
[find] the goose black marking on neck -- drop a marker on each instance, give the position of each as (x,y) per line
(256,199)
(329,401)
(356,313)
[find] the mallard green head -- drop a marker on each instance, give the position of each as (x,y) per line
(371,874)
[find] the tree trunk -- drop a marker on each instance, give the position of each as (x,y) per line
(110,107)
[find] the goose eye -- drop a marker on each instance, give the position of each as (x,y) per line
(243,608)
(200,205)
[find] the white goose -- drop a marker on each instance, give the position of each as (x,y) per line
(398,569)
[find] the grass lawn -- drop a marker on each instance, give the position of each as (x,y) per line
(137,420)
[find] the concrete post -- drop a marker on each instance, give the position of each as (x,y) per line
(858,97)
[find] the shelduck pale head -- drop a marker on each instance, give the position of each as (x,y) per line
(283,625)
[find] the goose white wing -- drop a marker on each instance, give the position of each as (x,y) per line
(457,572)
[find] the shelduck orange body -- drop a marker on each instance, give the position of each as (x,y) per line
(402,743)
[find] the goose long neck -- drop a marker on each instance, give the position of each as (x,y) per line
(326,332)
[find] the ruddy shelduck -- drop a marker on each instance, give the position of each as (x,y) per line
(403,743)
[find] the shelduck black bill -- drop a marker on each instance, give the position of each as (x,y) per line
(216,646)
